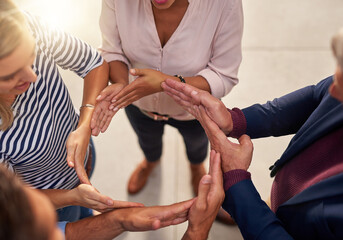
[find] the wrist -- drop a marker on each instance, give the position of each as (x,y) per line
(192,234)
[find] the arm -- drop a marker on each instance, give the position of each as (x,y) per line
(285,115)
(111,224)
(85,195)
(78,140)
(102,115)
(73,54)
(147,82)
(252,215)
(206,206)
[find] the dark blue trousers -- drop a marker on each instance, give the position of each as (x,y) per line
(150,131)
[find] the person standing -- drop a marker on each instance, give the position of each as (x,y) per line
(193,41)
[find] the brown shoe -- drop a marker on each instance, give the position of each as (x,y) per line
(197,172)
(140,176)
(225,217)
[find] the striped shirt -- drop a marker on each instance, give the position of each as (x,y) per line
(35,145)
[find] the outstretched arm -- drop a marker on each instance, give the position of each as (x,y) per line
(111,224)
(87,196)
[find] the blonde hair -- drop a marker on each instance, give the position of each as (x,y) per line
(337,47)
(12,23)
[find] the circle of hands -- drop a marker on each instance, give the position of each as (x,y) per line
(225,154)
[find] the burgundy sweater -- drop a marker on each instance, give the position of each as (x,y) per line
(320,160)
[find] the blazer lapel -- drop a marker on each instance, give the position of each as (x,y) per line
(327,117)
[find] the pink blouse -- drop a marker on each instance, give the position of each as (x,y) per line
(206,43)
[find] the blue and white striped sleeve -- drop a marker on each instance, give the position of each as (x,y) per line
(68,52)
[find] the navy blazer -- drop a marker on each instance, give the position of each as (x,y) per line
(316,212)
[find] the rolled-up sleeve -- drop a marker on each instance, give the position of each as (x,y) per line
(222,70)
(111,48)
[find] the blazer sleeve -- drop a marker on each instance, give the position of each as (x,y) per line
(285,115)
(252,215)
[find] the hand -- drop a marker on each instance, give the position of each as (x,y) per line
(152,218)
(234,156)
(206,206)
(148,81)
(102,115)
(188,96)
(87,196)
(77,144)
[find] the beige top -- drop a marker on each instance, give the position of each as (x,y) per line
(206,43)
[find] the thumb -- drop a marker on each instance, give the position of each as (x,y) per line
(137,71)
(105,94)
(246,142)
(204,189)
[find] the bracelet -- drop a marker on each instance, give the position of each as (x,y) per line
(87,106)
(181,78)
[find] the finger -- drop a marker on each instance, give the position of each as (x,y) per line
(95,131)
(79,167)
(174,92)
(70,155)
(204,189)
(215,169)
(105,94)
(104,119)
(99,119)
(246,142)
(209,125)
(181,87)
(138,71)
(123,94)
(128,100)
(125,204)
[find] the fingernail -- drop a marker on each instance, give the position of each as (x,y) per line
(109,202)
(98,97)
(111,107)
(113,100)
(133,71)
(206,180)
(194,92)
(115,109)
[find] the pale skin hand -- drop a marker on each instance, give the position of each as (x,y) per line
(102,115)
(77,144)
(87,196)
(188,96)
(234,156)
(205,208)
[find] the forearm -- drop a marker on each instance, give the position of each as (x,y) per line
(195,235)
(60,197)
(95,81)
(104,226)
(198,82)
(119,72)
(252,215)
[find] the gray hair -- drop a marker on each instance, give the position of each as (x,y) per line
(337,47)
